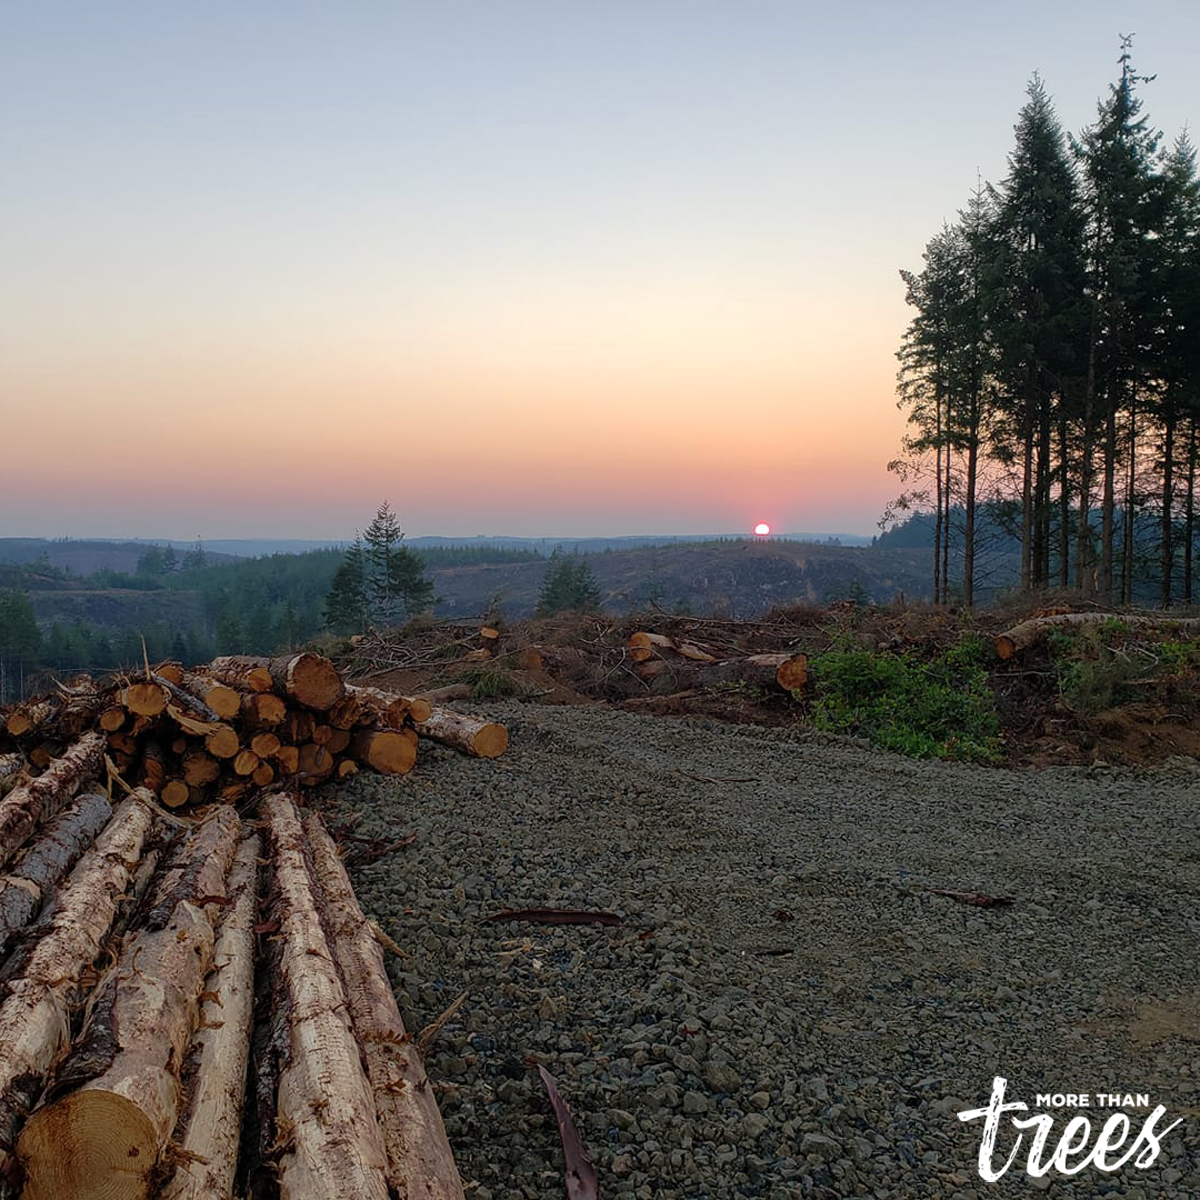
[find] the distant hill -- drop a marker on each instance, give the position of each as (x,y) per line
(741,577)
(86,556)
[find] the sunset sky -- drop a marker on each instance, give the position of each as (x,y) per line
(544,268)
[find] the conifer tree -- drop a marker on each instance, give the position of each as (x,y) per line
(346,604)
(569,586)
(394,576)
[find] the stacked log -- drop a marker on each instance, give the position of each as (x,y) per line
(121,1082)
(215,733)
(44,982)
(419,1159)
(154,930)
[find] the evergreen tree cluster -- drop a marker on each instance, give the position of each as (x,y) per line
(380,581)
(1051,367)
(569,586)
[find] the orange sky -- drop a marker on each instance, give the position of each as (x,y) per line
(529,268)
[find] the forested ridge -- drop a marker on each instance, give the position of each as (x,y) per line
(190,608)
(1051,367)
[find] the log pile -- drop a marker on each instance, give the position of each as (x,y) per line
(193,1006)
(196,1008)
(217,733)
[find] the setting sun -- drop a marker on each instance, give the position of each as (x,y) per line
(762,529)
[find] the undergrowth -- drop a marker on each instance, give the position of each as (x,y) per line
(943,708)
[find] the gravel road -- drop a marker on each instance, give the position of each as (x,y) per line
(786,1009)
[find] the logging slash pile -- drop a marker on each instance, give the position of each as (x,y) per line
(192,1004)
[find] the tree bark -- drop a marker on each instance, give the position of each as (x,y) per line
(34,875)
(388,708)
(123,1075)
(1064,499)
(222,699)
(27,805)
(1189,513)
(1167,531)
(245,674)
(40,990)
(1128,525)
(969,530)
(783,670)
(308,679)
(209,1130)
(1108,503)
(420,1161)
(28,718)
(334,1148)
(472,735)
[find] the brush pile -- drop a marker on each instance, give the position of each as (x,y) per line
(236,724)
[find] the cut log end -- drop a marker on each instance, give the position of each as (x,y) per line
(313,680)
(792,674)
(389,751)
(145,699)
(93,1144)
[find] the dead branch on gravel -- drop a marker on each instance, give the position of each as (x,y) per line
(581,1175)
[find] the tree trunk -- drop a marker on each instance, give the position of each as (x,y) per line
(471,735)
(223,742)
(389,751)
(334,1147)
(387,708)
(145,699)
(28,718)
(1189,513)
(33,876)
(786,671)
(421,1163)
(969,531)
(223,700)
(263,710)
(1108,503)
(1041,536)
(1064,499)
(1167,534)
(41,990)
(308,679)
(199,768)
(1128,526)
(209,1131)
(1027,503)
(1029,633)
(124,1071)
(245,674)
(938,590)
(27,805)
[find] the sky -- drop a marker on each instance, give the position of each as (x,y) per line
(537,267)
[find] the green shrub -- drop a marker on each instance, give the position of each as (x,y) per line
(939,709)
(487,685)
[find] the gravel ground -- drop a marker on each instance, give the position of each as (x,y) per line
(698,1066)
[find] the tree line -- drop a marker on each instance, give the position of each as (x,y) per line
(1051,367)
